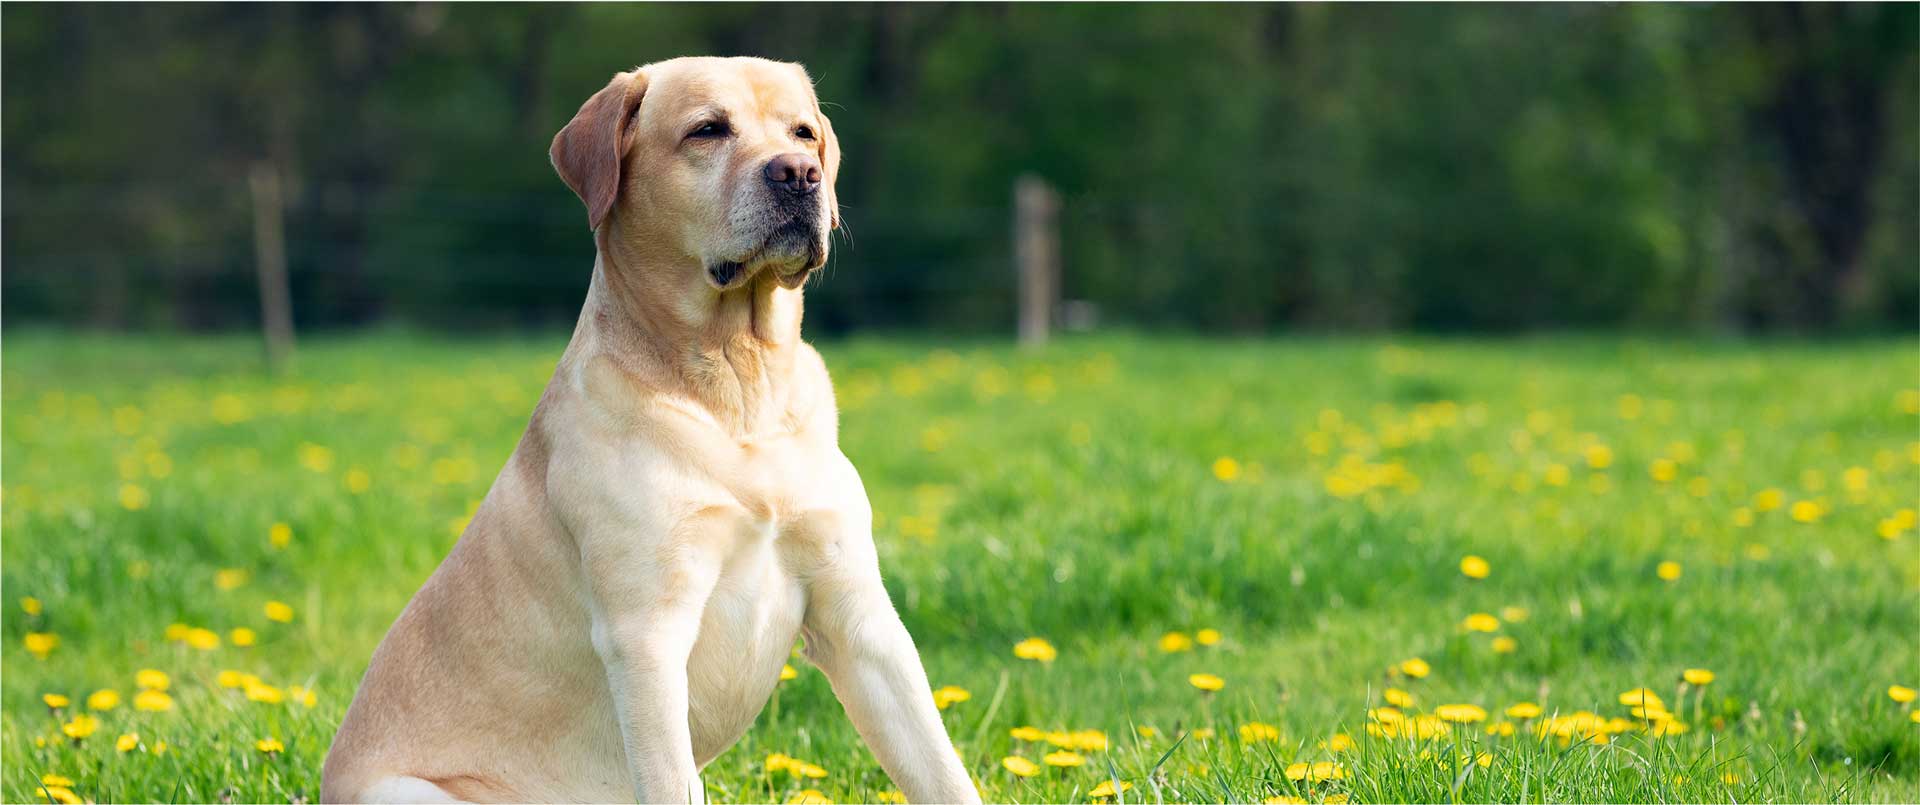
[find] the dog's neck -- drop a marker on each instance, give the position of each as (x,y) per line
(731,352)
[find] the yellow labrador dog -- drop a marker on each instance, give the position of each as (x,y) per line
(679,509)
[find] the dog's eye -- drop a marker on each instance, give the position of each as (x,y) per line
(711,129)
(805,132)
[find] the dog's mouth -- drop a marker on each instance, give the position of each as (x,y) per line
(791,251)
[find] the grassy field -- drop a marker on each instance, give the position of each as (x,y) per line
(1326,527)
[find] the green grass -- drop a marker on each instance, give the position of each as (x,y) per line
(1069,494)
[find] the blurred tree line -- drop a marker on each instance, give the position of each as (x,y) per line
(1231,168)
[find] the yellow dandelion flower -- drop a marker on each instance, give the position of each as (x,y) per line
(1105,789)
(1514,614)
(1730,778)
(1202,733)
(1386,715)
(40,644)
(1019,766)
(1474,567)
(1088,741)
(1284,799)
(1226,469)
(1426,726)
(1599,456)
(1460,713)
(358,481)
(242,636)
(1258,732)
(229,578)
(269,746)
(1064,759)
(56,779)
(1914,716)
(1338,742)
(176,632)
(80,727)
(1206,682)
(1805,511)
(1665,727)
(1028,734)
(126,743)
(305,696)
(950,695)
(1767,500)
(54,701)
(229,679)
(891,797)
(788,674)
(1663,469)
(1642,697)
(1416,668)
(264,693)
(103,700)
(1505,645)
(1172,642)
(152,701)
(1397,697)
(151,679)
(1316,772)
(1481,622)
(809,796)
(203,639)
(134,497)
(1207,637)
(1146,732)
(1523,710)
(280,535)
(60,794)
(809,770)
(278,612)
(317,458)
(1697,677)
(1900,693)
(1649,713)
(1503,729)
(30,605)
(1035,648)
(1668,570)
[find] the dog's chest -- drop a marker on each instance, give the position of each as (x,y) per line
(795,500)
(746,634)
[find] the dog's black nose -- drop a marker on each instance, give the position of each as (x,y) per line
(798,174)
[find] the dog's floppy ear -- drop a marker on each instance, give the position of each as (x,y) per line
(589,150)
(829,162)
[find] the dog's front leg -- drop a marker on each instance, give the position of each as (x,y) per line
(646,619)
(854,635)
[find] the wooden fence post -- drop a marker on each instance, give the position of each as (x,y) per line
(270,261)
(1036,254)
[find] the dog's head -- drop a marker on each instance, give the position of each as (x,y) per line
(727,162)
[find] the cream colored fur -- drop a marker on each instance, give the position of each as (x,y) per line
(679,510)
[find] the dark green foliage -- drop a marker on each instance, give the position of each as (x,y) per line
(1232,168)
